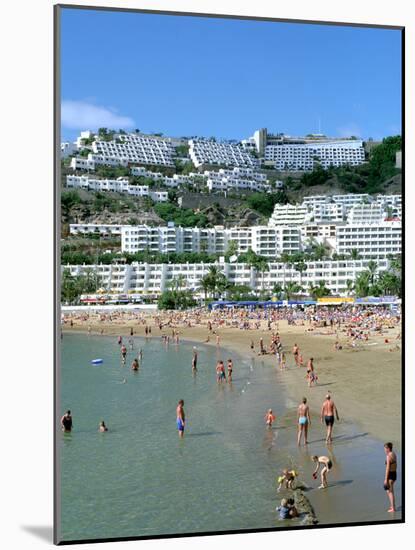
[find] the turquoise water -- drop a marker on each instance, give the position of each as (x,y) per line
(139,479)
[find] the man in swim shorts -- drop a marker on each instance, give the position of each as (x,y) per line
(304,420)
(390,475)
(328,410)
(66,422)
(180,418)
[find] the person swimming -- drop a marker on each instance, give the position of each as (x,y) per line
(102,427)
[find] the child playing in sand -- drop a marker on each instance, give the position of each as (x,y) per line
(287,478)
(269,418)
(287,509)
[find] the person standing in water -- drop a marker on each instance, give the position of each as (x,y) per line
(390,475)
(194,361)
(230,369)
(123,353)
(303,420)
(269,418)
(328,410)
(180,418)
(102,427)
(296,351)
(66,422)
(326,464)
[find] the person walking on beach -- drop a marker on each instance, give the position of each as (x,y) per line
(303,420)
(296,351)
(328,410)
(326,464)
(66,422)
(180,418)
(311,375)
(390,475)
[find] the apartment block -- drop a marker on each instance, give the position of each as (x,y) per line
(205,152)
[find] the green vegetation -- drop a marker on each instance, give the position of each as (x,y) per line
(73,286)
(365,178)
(214,282)
(71,256)
(386,283)
(182,150)
(180,216)
(177,297)
(264,202)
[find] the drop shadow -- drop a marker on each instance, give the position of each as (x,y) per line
(43,532)
(326,384)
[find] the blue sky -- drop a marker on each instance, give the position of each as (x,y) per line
(188,76)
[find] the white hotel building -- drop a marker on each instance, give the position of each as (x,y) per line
(289,214)
(305,156)
(153,279)
(263,240)
(136,148)
(372,241)
(119,185)
(205,152)
(244,179)
(302,153)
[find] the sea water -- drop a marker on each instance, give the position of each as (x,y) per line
(140,479)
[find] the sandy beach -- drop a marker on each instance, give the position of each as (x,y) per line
(365,382)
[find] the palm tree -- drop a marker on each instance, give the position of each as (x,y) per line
(362,284)
(291,288)
(389,283)
(354,254)
(349,287)
(286,259)
(232,249)
(300,267)
(262,266)
(319,290)
(320,251)
(277,290)
(372,268)
(205,285)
